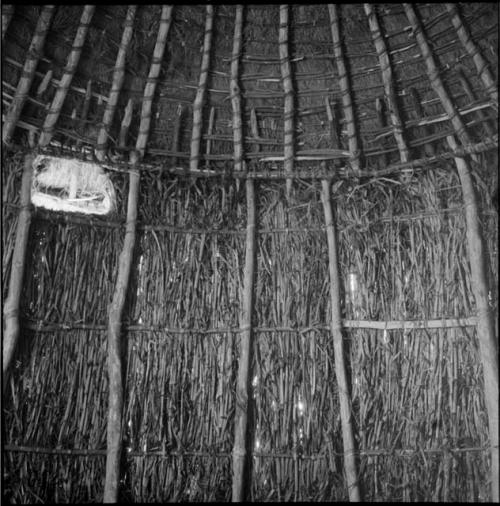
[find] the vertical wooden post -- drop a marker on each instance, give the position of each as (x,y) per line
(286,76)
(116,86)
(114,427)
(485,323)
(242,387)
(340,367)
(200,94)
(11,307)
(69,71)
(115,406)
(23,87)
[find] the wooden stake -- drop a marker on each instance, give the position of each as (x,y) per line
(11,307)
(345,89)
(65,82)
(286,76)
(200,94)
(242,388)
(485,323)
(23,87)
(115,406)
(474,52)
(116,86)
(340,367)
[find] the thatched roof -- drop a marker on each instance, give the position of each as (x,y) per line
(292,296)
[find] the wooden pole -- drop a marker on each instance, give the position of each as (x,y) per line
(234,90)
(434,76)
(11,307)
(345,89)
(154,73)
(485,324)
(200,93)
(69,71)
(286,76)
(116,86)
(115,407)
(340,367)
(29,69)
(242,387)
(474,52)
(389,89)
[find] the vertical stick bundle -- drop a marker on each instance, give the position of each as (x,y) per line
(23,87)
(69,71)
(340,368)
(11,307)
(200,93)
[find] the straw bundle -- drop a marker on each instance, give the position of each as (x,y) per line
(71,185)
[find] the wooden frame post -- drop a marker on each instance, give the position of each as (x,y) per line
(340,367)
(11,307)
(485,324)
(242,387)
